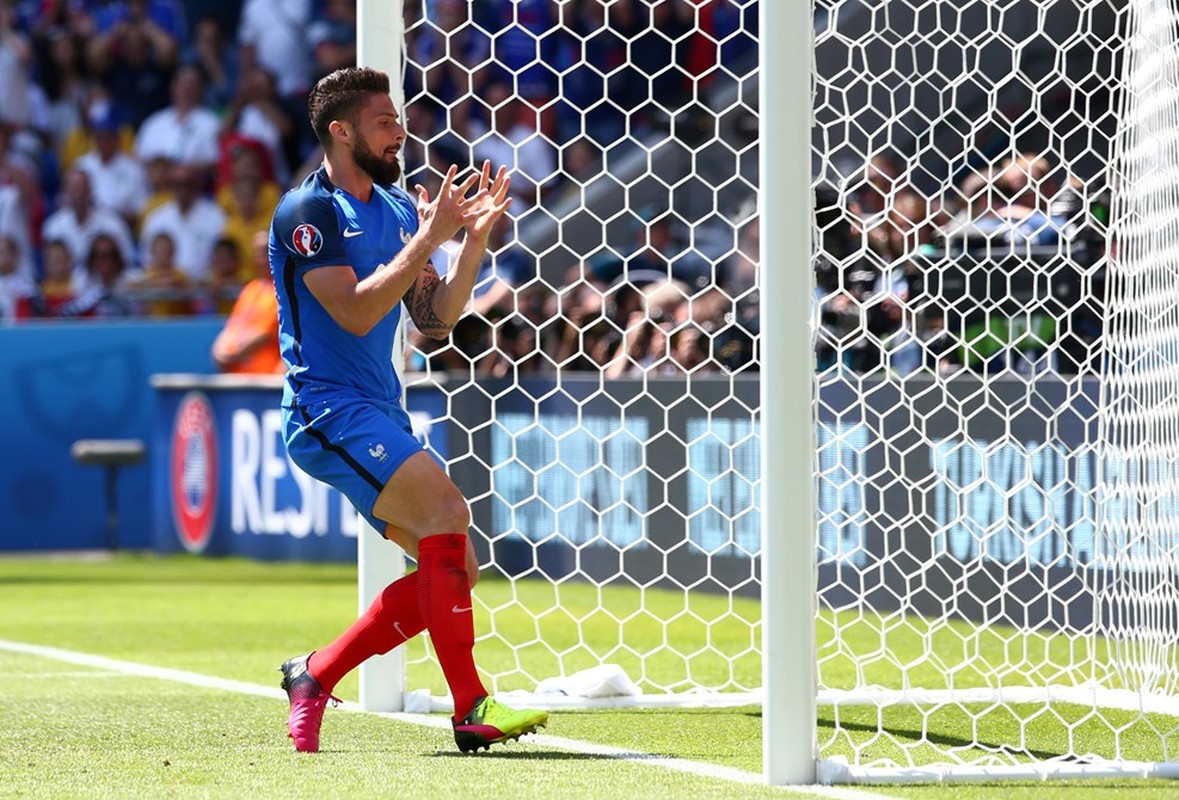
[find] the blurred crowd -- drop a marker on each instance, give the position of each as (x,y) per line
(563,109)
(985,275)
(145,143)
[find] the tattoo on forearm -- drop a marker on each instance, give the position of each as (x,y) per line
(420,300)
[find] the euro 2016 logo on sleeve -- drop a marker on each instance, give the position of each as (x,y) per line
(193,472)
(307,240)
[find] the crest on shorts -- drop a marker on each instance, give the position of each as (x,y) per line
(307,239)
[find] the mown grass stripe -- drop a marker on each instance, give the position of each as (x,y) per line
(699,768)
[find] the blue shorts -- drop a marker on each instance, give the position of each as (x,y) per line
(353,444)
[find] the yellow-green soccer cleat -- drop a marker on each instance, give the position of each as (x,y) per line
(491,722)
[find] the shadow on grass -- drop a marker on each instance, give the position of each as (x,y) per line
(172,580)
(147,568)
(934,738)
(551,755)
(140,569)
(943,740)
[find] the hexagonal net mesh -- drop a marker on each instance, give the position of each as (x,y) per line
(997,357)
(1138,552)
(994,536)
(601,394)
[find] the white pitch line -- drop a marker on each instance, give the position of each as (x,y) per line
(142,670)
(557,742)
(589,748)
(73,673)
(667,762)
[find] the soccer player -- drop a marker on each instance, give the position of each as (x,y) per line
(346,247)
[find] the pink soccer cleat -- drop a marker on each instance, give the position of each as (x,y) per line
(308,700)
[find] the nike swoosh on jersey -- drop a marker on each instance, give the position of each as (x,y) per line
(349,233)
(456,610)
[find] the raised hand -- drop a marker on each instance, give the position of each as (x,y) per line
(441,217)
(489,203)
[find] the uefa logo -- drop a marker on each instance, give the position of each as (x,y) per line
(307,240)
(193,472)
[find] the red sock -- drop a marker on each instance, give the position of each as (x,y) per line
(392,619)
(444,598)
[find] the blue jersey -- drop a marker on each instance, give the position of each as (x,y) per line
(319,225)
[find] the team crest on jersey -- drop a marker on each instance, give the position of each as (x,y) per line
(405,237)
(193,471)
(307,239)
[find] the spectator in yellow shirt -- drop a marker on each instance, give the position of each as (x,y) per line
(225,281)
(248,200)
(249,341)
(165,289)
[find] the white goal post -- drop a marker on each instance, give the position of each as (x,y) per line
(380,35)
(789,681)
(828,366)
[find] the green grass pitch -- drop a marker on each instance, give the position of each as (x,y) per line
(72,731)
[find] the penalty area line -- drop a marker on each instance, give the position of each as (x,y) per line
(699,768)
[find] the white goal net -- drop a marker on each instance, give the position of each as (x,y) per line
(601,396)
(995,354)
(1139,556)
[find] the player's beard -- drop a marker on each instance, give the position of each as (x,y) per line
(383,173)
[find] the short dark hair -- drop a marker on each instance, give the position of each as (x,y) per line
(339,95)
(105,240)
